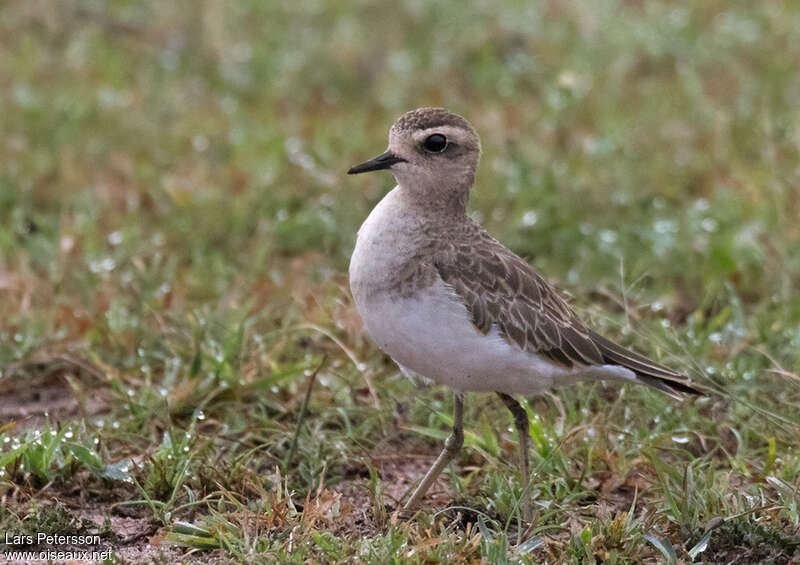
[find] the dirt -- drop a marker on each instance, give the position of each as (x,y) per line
(58,387)
(61,387)
(133,539)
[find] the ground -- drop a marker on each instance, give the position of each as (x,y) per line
(183,372)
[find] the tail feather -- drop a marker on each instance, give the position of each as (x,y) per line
(647,371)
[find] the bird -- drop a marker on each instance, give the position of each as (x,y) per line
(450,303)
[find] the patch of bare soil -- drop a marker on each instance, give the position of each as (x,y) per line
(59,387)
(130,534)
(398,473)
(140,541)
(401,472)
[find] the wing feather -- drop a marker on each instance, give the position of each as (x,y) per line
(499,289)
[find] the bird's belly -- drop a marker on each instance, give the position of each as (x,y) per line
(431,334)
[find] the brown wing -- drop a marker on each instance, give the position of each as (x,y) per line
(500,289)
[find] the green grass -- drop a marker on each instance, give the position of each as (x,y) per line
(178,345)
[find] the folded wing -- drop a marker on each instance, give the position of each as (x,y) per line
(501,290)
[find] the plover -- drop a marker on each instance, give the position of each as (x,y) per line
(450,303)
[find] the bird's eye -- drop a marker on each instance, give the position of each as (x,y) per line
(435,143)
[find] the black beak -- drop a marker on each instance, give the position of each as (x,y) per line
(379,163)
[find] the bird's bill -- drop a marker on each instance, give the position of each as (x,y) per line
(379,163)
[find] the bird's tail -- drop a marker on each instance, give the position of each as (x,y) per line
(647,371)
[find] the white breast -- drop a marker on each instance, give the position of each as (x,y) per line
(431,335)
(386,239)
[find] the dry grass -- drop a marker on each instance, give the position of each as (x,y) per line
(175,227)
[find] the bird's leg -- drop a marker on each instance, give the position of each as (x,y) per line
(523,433)
(452,445)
